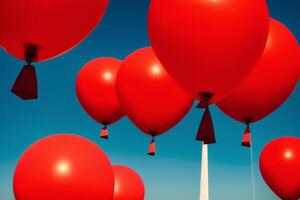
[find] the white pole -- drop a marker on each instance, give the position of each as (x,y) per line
(204,192)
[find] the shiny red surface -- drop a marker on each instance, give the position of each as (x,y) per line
(150,97)
(208,45)
(96,90)
(128,184)
(280,167)
(272,80)
(63,167)
(55,26)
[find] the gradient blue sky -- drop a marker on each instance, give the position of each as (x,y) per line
(174,173)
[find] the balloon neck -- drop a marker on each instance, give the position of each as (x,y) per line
(104,132)
(31,52)
(246,140)
(205,99)
(206,131)
(25,86)
(152,147)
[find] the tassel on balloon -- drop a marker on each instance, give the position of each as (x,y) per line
(25,86)
(152,147)
(206,131)
(104,132)
(246,140)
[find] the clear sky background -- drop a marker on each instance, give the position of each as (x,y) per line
(174,173)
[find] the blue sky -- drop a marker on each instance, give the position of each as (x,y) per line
(174,173)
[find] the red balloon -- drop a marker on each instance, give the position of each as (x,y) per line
(272,80)
(128,184)
(279,166)
(96,90)
(53,27)
(150,97)
(208,46)
(64,167)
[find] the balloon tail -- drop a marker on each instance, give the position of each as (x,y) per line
(246,140)
(152,147)
(206,131)
(25,86)
(104,133)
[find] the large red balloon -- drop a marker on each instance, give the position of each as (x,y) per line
(151,98)
(64,167)
(208,46)
(96,90)
(128,184)
(54,27)
(272,80)
(280,164)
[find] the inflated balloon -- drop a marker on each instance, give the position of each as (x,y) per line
(270,83)
(63,167)
(150,97)
(279,166)
(96,91)
(128,184)
(41,30)
(208,46)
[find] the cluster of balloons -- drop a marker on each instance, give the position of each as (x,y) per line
(139,86)
(280,164)
(70,167)
(270,83)
(229,53)
(36,31)
(246,63)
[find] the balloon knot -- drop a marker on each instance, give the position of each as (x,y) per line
(205,99)
(31,52)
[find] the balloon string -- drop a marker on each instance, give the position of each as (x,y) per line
(252,172)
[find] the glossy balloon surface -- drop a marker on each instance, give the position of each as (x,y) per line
(208,46)
(53,26)
(272,80)
(63,167)
(96,90)
(280,164)
(128,184)
(151,98)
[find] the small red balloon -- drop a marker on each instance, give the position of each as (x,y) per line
(63,167)
(208,46)
(96,91)
(128,184)
(150,97)
(279,166)
(272,80)
(51,27)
